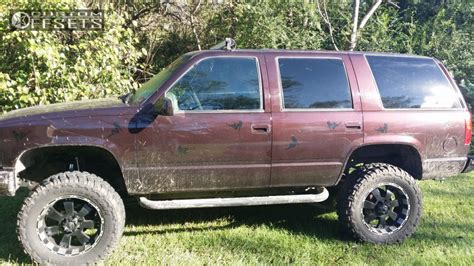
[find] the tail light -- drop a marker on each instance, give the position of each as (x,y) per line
(468,129)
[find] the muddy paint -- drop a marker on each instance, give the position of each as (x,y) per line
(62,107)
(333,125)
(115,130)
(237,126)
(19,136)
(202,152)
(383,129)
(293,143)
(182,150)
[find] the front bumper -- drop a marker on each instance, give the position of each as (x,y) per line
(470,164)
(8,183)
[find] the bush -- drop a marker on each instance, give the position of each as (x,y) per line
(142,37)
(42,67)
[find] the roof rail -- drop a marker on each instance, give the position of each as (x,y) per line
(229,44)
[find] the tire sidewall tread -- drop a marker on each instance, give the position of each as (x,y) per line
(88,186)
(367,177)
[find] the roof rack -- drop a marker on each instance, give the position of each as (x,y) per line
(228,44)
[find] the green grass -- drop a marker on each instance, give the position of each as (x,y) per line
(298,234)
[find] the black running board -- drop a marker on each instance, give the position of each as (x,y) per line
(232,202)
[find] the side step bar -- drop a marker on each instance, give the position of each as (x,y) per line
(232,202)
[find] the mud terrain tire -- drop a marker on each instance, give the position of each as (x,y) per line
(380,203)
(75,201)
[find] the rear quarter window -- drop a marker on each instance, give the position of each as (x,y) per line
(410,82)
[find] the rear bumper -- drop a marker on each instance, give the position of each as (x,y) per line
(470,164)
(8,183)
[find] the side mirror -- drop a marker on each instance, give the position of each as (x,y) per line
(167,108)
(164,106)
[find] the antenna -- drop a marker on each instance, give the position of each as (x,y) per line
(228,45)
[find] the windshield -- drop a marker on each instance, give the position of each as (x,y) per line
(149,87)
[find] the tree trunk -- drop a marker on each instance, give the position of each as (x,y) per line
(356,28)
(355,25)
(193,25)
(369,14)
(196,36)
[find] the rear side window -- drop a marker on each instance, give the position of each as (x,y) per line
(314,83)
(408,82)
(220,83)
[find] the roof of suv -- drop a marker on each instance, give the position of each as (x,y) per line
(302,52)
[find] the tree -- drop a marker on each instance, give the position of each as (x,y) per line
(142,37)
(356,27)
(43,67)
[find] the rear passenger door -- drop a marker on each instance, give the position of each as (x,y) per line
(317,118)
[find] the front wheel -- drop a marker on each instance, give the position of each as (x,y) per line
(380,203)
(71,218)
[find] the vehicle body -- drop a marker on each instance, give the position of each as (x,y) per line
(150,148)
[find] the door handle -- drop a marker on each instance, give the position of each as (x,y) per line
(354,125)
(260,128)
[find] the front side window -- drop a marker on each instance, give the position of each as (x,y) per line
(314,83)
(219,83)
(149,87)
(410,82)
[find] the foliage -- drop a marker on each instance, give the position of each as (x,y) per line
(41,67)
(142,37)
(432,28)
(443,32)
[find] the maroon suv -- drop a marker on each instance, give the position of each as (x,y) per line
(238,127)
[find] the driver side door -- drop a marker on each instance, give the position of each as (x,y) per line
(219,137)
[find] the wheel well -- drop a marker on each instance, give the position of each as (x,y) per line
(38,164)
(403,156)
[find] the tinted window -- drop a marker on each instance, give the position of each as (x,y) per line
(221,83)
(407,82)
(314,83)
(149,87)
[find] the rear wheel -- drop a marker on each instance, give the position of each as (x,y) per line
(380,203)
(71,218)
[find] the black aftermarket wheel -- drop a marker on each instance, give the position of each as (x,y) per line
(71,218)
(380,203)
(70,225)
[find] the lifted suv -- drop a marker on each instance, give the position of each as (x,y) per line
(238,127)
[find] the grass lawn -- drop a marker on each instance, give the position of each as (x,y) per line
(290,234)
